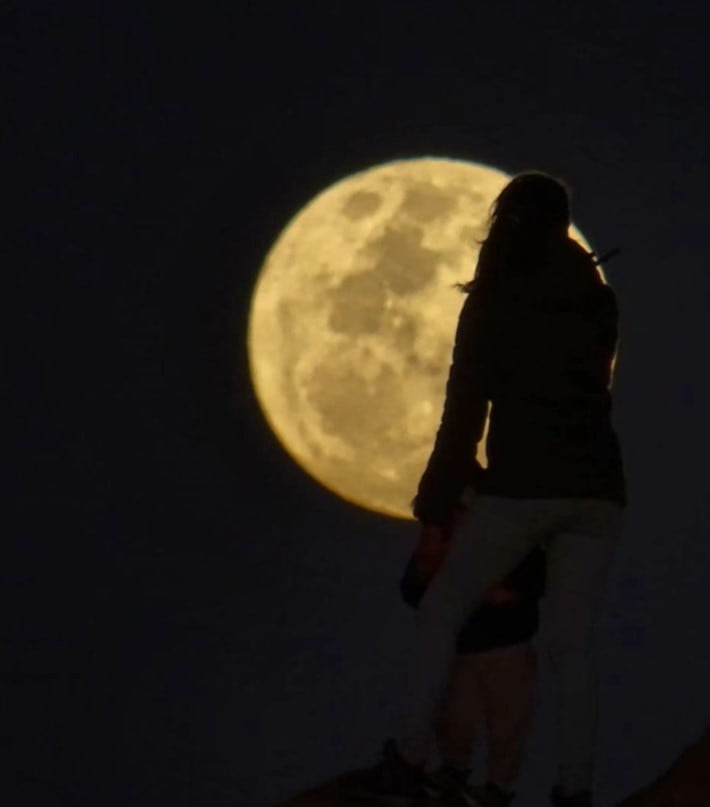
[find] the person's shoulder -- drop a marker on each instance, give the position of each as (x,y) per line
(593,285)
(588,262)
(583,262)
(575,247)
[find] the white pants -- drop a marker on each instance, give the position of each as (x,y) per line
(581,536)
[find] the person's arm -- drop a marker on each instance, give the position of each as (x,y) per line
(462,421)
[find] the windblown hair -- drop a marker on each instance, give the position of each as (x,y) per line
(532,210)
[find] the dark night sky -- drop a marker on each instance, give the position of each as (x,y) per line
(189,619)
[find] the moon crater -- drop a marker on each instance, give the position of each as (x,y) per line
(361,204)
(425,203)
(358,304)
(404,263)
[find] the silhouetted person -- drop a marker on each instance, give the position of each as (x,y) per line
(492,681)
(536,339)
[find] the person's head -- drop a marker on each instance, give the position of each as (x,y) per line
(533,203)
(530,211)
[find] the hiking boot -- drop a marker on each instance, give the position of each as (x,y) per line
(581,799)
(393,781)
(488,795)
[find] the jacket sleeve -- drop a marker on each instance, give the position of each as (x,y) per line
(463,417)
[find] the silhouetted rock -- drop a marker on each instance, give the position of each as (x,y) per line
(685,784)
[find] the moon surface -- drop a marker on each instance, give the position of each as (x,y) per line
(353,317)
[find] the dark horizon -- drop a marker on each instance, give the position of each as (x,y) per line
(190,618)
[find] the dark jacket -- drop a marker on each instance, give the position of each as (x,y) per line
(540,350)
(491,626)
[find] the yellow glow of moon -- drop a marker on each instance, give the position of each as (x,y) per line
(353,317)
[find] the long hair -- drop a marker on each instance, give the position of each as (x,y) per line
(530,211)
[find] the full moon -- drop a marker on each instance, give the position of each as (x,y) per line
(353,318)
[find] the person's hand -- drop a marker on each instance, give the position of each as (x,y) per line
(431,548)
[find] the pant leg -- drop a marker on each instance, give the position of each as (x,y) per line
(508,682)
(496,537)
(578,560)
(461,713)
